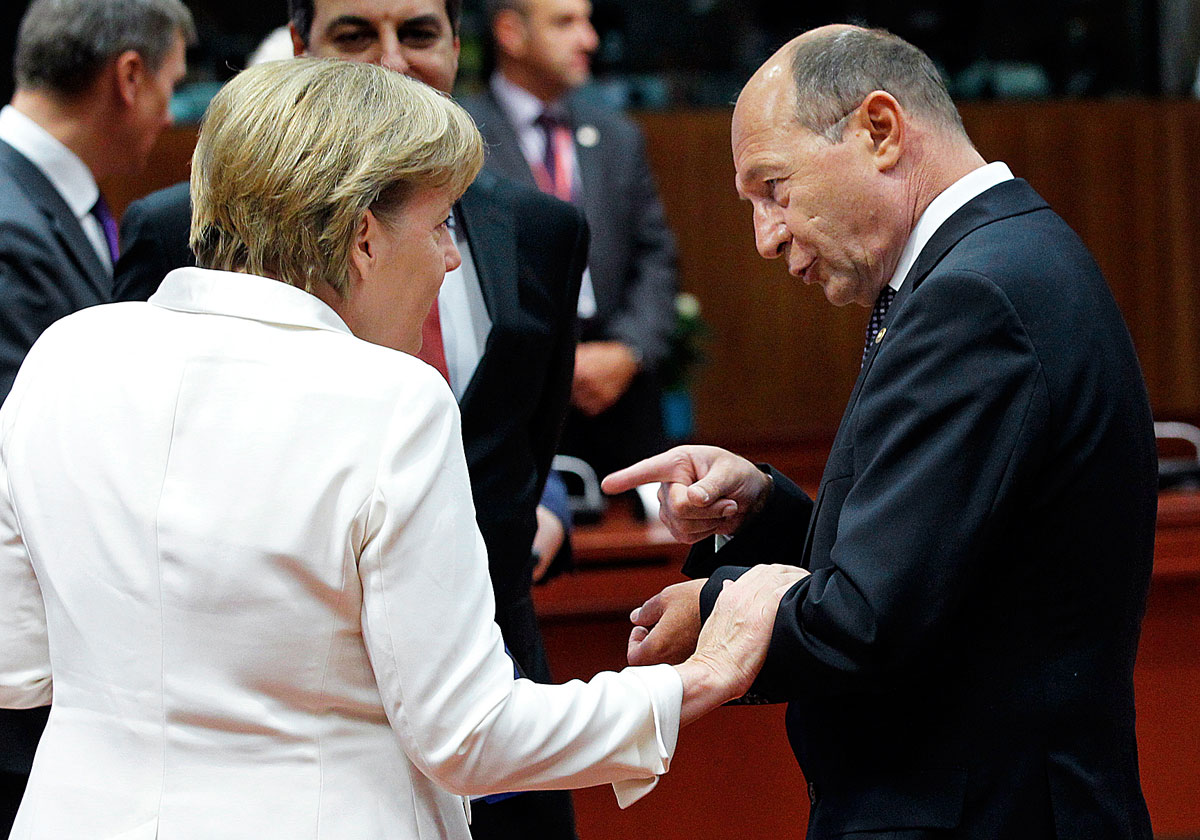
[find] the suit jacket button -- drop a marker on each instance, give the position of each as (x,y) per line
(813,795)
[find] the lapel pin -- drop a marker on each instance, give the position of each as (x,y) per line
(879,335)
(587,135)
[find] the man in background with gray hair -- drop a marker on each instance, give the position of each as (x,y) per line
(94,80)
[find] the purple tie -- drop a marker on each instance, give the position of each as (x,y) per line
(105,217)
(877,314)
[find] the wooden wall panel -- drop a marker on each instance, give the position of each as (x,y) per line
(1124,174)
(783,360)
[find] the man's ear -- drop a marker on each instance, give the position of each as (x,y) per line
(299,48)
(885,123)
(130,74)
(508,29)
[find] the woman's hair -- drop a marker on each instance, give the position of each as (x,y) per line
(292,154)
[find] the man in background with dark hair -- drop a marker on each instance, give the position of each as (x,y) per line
(540,134)
(94,80)
(504,336)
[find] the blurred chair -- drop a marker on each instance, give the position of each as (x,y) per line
(1176,472)
(583,488)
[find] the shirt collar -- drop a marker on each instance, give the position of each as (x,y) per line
(62,167)
(520,106)
(249,296)
(947,203)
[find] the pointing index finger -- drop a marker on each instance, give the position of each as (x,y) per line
(666,466)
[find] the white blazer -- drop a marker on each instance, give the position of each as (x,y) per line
(240,544)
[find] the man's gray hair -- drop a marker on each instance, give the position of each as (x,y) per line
(63,45)
(835,71)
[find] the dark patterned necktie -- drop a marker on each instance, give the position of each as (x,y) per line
(877,315)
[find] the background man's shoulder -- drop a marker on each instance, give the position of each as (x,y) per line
(608,120)
(529,208)
(173,202)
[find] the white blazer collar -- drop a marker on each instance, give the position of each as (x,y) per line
(249,296)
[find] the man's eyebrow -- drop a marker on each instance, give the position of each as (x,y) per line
(347,20)
(422,20)
(361,22)
(756,173)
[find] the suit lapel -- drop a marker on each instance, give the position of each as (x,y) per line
(504,148)
(492,238)
(59,217)
(590,159)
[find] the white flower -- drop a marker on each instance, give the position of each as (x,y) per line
(687,305)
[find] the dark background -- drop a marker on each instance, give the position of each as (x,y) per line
(663,53)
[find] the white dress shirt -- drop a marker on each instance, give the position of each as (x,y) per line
(465,321)
(948,202)
(70,176)
(237,545)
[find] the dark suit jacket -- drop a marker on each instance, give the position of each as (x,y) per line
(529,251)
(632,265)
(48,269)
(961,657)
(154,241)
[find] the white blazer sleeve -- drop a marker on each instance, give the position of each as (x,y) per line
(443,675)
(24,652)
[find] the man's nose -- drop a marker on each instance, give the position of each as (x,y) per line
(770,235)
(392,57)
(590,41)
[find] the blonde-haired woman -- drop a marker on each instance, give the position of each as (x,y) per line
(236,532)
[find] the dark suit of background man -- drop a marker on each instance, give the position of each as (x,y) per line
(627,303)
(93,83)
(959,663)
(507,322)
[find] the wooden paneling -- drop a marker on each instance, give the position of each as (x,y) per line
(783,361)
(169,162)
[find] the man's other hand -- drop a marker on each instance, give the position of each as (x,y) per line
(703,490)
(603,371)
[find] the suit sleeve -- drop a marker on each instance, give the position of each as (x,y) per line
(950,415)
(775,535)
(25,680)
(443,675)
(647,314)
(31,288)
(565,275)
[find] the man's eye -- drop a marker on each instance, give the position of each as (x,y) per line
(352,40)
(418,37)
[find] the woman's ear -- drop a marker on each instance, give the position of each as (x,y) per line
(364,248)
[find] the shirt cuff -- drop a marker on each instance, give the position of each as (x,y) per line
(665,687)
